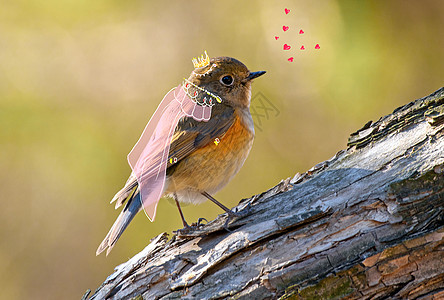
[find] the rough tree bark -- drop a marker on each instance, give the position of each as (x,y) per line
(366,224)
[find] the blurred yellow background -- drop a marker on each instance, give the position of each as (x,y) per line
(80,79)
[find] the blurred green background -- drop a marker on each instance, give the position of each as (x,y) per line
(80,79)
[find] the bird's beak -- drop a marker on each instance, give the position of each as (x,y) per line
(255,75)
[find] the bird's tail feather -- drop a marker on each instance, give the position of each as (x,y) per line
(132,207)
(121,196)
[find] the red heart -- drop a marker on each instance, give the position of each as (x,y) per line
(301,31)
(302,48)
(287,11)
(317,46)
(290,59)
(285,28)
(276,37)
(286,47)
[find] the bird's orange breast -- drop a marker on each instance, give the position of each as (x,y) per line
(211,167)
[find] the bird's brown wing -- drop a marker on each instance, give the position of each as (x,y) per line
(189,136)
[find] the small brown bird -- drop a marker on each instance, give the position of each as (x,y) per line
(203,153)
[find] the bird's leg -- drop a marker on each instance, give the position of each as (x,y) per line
(185,224)
(231,214)
(226,209)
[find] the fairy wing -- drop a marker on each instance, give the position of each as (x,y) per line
(174,131)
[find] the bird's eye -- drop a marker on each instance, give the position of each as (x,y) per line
(227,80)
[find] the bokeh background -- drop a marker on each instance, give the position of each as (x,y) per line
(80,79)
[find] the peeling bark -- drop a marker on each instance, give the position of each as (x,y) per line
(366,224)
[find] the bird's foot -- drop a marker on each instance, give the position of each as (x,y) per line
(236,214)
(199,222)
(189,228)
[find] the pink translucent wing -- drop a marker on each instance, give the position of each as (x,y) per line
(148,158)
(206,113)
(198,112)
(138,148)
(194,110)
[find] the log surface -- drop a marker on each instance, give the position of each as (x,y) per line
(366,224)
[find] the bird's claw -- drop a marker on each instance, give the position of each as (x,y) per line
(200,220)
(199,223)
(188,228)
(245,211)
(236,214)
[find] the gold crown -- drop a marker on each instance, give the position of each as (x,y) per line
(201,61)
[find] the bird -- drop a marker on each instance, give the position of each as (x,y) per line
(206,143)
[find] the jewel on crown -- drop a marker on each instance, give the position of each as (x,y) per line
(201,61)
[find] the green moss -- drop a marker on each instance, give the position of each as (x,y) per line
(332,287)
(429,181)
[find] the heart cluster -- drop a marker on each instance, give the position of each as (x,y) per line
(287,47)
